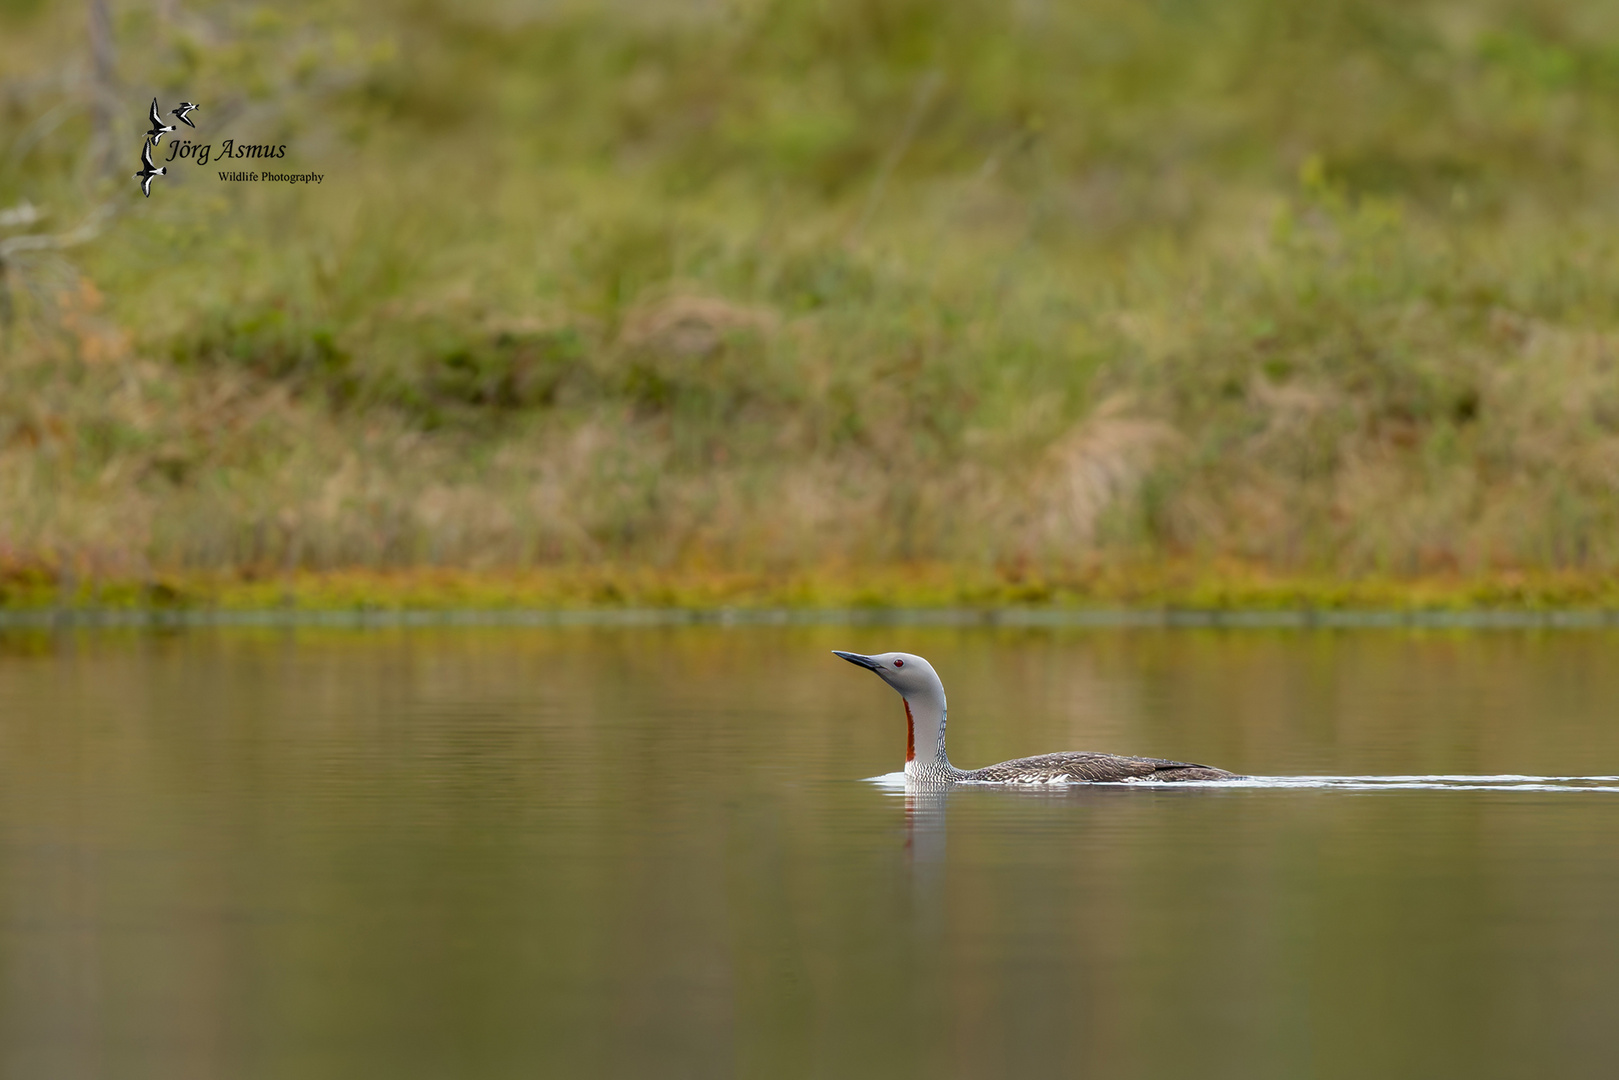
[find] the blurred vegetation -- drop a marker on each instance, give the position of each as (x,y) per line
(1026,288)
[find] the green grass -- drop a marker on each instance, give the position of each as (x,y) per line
(1327,292)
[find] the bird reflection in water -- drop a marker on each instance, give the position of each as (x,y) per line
(925,823)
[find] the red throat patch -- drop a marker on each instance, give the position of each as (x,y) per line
(910,733)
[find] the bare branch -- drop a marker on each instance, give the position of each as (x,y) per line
(105,88)
(24,213)
(87,230)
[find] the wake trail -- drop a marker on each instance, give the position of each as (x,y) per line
(1426,782)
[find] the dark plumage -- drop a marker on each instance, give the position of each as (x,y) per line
(1083,766)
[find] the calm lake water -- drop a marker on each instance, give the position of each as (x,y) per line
(654,852)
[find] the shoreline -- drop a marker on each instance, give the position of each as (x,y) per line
(1009,618)
(1116,595)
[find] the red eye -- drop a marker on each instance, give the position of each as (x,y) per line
(899,663)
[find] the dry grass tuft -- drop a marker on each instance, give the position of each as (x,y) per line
(1098,467)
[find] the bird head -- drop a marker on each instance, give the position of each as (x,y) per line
(905,672)
(919,686)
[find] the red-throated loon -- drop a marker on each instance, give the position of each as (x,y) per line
(925,760)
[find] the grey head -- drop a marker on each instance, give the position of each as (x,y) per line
(925,709)
(905,672)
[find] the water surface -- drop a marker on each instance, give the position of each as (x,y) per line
(656,852)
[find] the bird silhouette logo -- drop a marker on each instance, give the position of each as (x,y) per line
(147,170)
(158,129)
(154,135)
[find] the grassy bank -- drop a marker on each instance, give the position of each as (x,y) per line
(723,304)
(1152,586)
